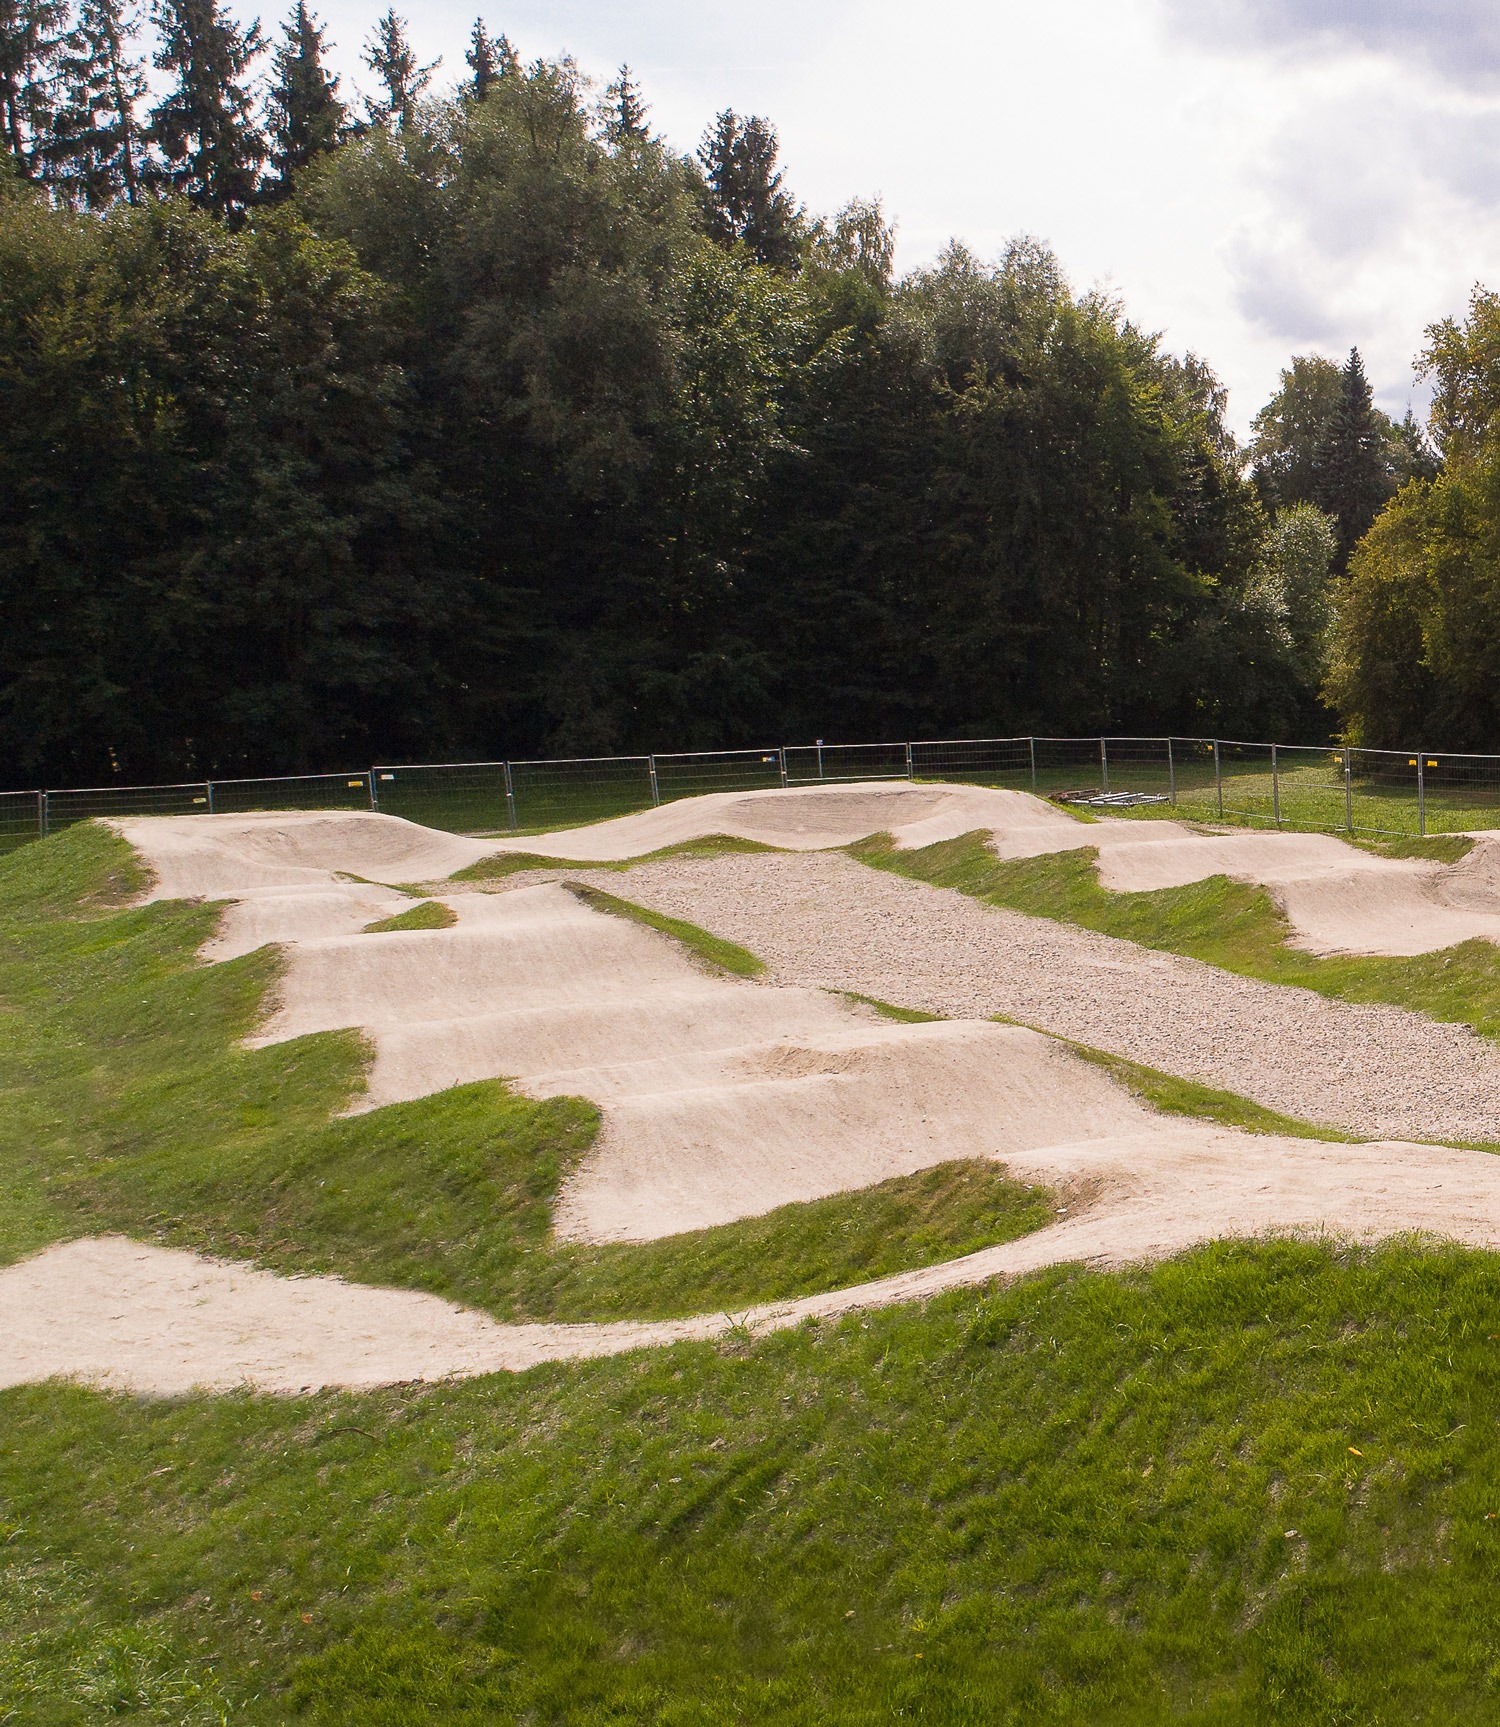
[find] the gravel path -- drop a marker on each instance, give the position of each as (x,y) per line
(824,919)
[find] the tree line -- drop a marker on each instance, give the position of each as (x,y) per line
(474,421)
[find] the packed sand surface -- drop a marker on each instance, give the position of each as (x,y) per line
(1337,897)
(152,1321)
(833,922)
(289,873)
(721,1099)
(804,818)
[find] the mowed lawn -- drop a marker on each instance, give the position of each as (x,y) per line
(1260,1483)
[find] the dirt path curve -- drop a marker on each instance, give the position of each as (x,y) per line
(131,1317)
(824,919)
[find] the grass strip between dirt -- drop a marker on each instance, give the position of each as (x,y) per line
(504,864)
(711,951)
(1229,924)
(429,914)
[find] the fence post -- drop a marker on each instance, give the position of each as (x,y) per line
(1422,793)
(510,796)
(781,758)
(1218,780)
(1032,744)
(374,795)
(1104,765)
(41,815)
(1275,788)
(1171,775)
(655,789)
(909,773)
(1348,789)
(208,788)
(820,758)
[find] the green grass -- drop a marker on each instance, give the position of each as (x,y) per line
(127,1103)
(1226,923)
(1434,848)
(711,951)
(430,914)
(1173,1096)
(1253,1487)
(887,1010)
(504,864)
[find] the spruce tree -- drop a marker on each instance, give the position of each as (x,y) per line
(204,126)
(744,201)
(625,113)
(488,60)
(33,40)
(307,115)
(1353,480)
(95,151)
(390,56)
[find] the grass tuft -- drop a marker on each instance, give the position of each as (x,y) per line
(711,951)
(430,914)
(504,864)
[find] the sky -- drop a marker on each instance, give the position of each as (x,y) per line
(1253,178)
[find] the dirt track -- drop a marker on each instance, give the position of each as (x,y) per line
(537,976)
(830,921)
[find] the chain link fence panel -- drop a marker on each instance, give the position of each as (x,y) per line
(556,794)
(20,818)
(64,809)
(460,797)
(693,775)
(1006,763)
(807,763)
(296,792)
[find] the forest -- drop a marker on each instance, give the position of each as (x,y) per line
(469,419)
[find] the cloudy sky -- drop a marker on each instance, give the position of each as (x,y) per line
(1254,177)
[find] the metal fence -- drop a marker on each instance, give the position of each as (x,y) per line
(1390,792)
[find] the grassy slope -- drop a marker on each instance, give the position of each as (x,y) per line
(1224,922)
(1252,1486)
(126,1103)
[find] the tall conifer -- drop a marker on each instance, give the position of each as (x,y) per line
(745,202)
(625,113)
(204,126)
(95,150)
(1353,481)
(306,112)
(33,39)
(390,56)
(488,60)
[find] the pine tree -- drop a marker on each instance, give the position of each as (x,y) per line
(94,152)
(489,61)
(744,200)
(625,115)
(1353,480)
(390,57)
(307,114)
(33,39)
(204,126)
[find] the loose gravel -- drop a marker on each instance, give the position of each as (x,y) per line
(823,919)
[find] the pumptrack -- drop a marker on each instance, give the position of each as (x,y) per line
(721,1098)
